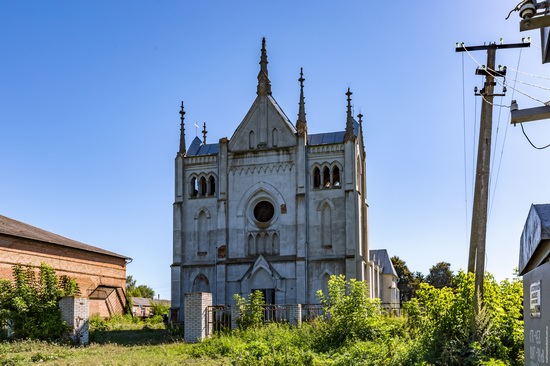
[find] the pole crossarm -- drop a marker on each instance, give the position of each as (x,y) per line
(462,48)
(530,114)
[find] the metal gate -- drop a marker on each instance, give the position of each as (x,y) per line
(218,319)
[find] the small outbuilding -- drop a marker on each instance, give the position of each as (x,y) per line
(534,266)
(142,306)
(386,280)
(100,274)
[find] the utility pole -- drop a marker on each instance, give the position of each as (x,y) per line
(478,235)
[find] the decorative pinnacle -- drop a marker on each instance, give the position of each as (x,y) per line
(302,109)
(263,58)
(182,130)
(349,120)
(360,116)
(204,132)
(264,85)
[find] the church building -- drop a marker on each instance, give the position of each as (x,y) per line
(272,208)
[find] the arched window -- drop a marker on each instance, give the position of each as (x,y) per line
(251,245)
(201,284)
(326,230)
(260,243)
(274,137)
(211,186)
(326,177)
(268,244)
(202,230)
(324,283)
(276,245)
(193,187)
(202,190)
(316,178)
(336,177)
(251,141)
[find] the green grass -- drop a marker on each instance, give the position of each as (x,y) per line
(31,352)
(144,346)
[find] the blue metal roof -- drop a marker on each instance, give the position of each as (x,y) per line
(383,257)
(197,148)
(331,137)
(326,138)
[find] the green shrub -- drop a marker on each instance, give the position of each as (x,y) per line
(444,325)
(96,322)
(31,302)
(251,309)
(351,314)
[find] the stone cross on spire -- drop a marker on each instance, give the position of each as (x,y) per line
(182,149)
(349,136)
(264,85)
(301,124)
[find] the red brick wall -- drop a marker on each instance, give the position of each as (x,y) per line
(89,269)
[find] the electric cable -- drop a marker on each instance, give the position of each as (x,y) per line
(464,150)
(495,73)
(527,137)
(503,143)
(518,6)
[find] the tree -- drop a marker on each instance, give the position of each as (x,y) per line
(138,291)
(441,276)
(31,302)
(408,282)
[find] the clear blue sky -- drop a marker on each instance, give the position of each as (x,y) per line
(90,93)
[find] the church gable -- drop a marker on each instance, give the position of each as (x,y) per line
(265,126)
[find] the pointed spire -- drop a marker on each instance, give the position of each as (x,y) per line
(182,130)
(204,132)
(301,124)
(360,117)
(349,136)
(264,85)
(263,58)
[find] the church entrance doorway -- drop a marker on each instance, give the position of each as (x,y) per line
(269,294)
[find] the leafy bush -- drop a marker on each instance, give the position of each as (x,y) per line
(447,331)
(251,309)
(31,302)
(350,312)
(159,308)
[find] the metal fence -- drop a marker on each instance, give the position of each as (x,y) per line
(218,319)
(311,312)
(275,313)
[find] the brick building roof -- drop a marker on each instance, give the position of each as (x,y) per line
(20,229)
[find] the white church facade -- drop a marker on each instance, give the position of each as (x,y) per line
(273,208)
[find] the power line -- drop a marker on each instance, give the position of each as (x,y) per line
(527,137)
(464,150)
(504,142)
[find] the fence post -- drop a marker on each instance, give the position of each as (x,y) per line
(195,318)
(295,315)
(76,312)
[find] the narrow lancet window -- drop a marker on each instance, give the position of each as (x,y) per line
(336,177)
(326,177)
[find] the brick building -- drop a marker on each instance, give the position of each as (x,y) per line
(100,274)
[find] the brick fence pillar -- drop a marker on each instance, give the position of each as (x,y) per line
(76,312)
(295,315)
(195,320)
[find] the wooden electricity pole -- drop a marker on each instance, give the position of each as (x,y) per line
(478,235)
